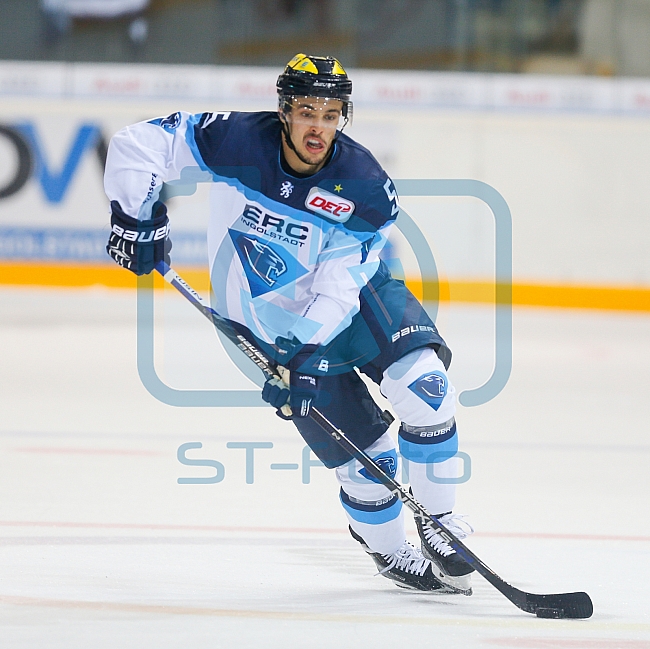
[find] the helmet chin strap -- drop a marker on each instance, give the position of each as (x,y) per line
(290,144)
(289,141)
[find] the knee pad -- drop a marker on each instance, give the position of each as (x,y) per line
(419,390)
(363,497)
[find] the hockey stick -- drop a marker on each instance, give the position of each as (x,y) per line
(562,605)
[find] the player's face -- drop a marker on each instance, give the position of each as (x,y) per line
(312,123)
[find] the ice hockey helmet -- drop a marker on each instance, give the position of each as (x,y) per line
(315,76)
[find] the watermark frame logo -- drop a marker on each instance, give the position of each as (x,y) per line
(427,266)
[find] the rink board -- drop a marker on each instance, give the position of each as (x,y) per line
(568,155)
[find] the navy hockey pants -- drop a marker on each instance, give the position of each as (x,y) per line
(390,324)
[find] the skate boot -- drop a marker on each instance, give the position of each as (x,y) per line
(406,567)
(449,567)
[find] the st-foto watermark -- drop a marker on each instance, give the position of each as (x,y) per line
(303,467)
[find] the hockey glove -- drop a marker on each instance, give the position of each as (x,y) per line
(276,392)
(139,245)
(303,390)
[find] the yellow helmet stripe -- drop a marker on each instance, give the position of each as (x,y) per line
(338,68)
(295,60)
(302,62)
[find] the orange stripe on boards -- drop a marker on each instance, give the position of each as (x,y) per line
(611,298)
(619,298)
(81,275)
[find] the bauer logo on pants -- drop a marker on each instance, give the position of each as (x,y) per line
(329,205)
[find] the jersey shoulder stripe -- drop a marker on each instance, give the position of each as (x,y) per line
(246,147)
(380,198)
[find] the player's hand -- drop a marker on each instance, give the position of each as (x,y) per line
(276,392)
(302,390)
(303,393)
(303,383)
(139,245)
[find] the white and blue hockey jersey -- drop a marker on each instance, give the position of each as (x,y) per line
(288,254)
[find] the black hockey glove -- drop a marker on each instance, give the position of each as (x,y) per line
(303,390)
(139,245)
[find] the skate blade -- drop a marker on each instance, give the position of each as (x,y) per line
(461,585)
(446,590)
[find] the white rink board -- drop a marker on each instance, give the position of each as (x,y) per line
(100,546)
(376,87)
(570,155)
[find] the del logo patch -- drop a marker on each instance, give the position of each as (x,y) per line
(329,205)
(267,267)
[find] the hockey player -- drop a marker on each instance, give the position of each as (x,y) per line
(300,215)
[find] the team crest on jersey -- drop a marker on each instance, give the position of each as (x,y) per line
(267,267)
(431,388)
(169,124)
(329,205)
(285,189)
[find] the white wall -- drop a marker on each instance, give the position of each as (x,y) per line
(576,185)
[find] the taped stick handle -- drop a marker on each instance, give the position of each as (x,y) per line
(283,374)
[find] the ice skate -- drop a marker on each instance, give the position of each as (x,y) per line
(407,567)
(452,570)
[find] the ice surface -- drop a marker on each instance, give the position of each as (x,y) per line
(101,547)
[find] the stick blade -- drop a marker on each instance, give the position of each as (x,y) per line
(562,606)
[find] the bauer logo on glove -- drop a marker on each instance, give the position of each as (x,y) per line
(139,245)
(141,236)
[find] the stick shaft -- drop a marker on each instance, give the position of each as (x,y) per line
(525,601)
